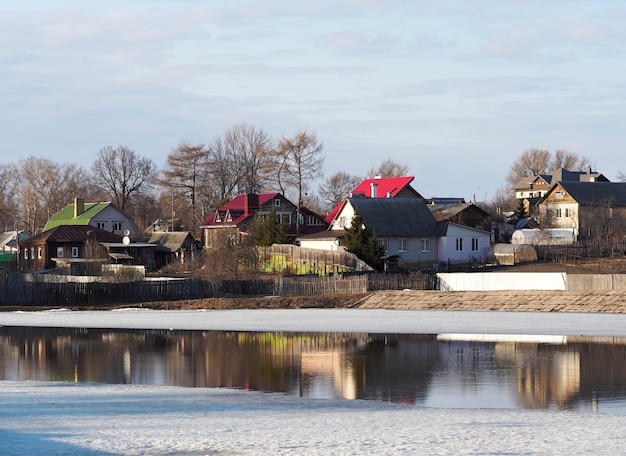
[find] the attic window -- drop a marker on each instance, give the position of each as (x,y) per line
(101,225)
(559,195)
(228,217)
(218,219)
(277,202)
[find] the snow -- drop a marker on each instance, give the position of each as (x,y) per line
(45,418)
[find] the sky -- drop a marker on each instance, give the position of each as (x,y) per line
(42,418)
(454,89)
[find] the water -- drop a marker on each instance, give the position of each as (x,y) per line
(419,370)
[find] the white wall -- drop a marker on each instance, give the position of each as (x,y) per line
(447,244)
(493,281)
(325,244)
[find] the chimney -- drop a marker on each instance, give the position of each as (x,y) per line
(79,206)
(251,204)
(373,187)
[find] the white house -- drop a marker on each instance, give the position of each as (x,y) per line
(463,244)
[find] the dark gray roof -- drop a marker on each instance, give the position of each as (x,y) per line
(596,192)
(396,216)
(168,241)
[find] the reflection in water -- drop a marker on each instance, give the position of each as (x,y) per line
(396,368)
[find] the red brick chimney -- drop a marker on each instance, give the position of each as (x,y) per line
(251,203)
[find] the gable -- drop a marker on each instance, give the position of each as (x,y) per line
(588,193)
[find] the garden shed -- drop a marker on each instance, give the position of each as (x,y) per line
(510,254)
(551,236)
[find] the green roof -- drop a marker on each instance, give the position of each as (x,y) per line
(66,215)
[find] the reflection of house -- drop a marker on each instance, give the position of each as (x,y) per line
(172,247)
(105,216)
(592,209)
(62,244)
(236,216)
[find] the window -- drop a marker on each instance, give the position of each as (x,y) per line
(402,245)
(568,212)
(474,244)
(277,202)
(102,225)
(424,245)
(459,245)
(39,252)
(283,218)
(559,213)
(26,253)
(60,252)
(559,195)
(117,226)
(313,221)
(74,252)
(228,217)
(385,243)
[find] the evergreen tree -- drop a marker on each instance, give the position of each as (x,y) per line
(363,243)
(520,210)
(265,230)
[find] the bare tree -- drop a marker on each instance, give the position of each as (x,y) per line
(122,174)
(337,187)
(225,174)
(186,176)
(302,161)
(531,163)
(569,160)
(389,168)
(8,204)
(534,162)
(621,176)
(43,187)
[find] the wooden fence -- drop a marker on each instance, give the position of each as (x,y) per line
(352,283)
(67,293)
(582,251)
(296,260)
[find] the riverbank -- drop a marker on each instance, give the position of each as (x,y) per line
(611,301)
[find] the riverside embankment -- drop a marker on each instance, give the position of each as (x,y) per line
(586,301)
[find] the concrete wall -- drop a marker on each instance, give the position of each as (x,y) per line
(596,281)
(494,281)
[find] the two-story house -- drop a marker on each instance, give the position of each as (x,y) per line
(235,217)
(589,208)
(104,215)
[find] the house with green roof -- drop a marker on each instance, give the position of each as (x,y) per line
(104,215)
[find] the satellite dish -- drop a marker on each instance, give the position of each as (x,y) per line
(126,232)
(125,240)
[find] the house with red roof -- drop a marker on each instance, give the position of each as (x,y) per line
(235,217)
(404,224)
(380,187)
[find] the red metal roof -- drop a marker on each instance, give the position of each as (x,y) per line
(236,208)
(383,186)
